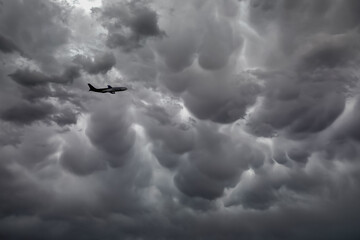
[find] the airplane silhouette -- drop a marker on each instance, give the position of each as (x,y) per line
(109,89)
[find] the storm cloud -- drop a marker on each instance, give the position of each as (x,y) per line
(101,64)
(241,119)
(129,24)
(7,46)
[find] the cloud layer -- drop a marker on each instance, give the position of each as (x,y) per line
(240,120)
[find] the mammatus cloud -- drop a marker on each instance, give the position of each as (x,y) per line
(129,24)
(241,120)
(38,28)
(36,91)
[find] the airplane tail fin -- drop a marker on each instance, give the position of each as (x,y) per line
(91,87)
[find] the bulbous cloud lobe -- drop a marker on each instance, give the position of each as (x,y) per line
(129,24)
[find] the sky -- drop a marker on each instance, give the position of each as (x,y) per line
(241,119)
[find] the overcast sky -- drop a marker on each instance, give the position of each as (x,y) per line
(241,119)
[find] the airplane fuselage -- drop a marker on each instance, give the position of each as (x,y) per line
(109,89)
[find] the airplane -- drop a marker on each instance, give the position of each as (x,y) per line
(109,89)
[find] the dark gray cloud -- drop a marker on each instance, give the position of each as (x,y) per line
(309,107)
(36,27)
(36,91)
(224,104)
(111,134)
(217,46)
(26,113)
(81,159)
(29,78)
(240,121)
(202,41)
(215,166)
(65,117)
(129,24)
(7,46)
